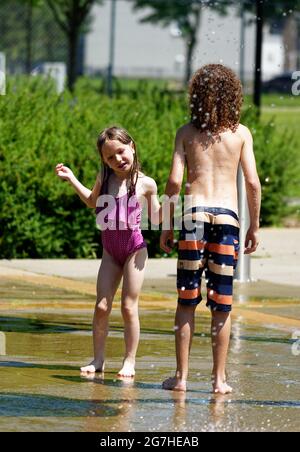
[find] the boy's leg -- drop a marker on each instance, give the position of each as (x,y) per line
(133,278)
(190,266)
(109,277)
(220,331)
(184,331)
(223,249)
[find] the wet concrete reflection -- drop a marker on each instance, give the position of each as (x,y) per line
(42,389)
(2,344)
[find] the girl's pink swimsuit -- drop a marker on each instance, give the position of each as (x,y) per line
(121,228)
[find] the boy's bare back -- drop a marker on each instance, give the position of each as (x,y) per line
(212,164)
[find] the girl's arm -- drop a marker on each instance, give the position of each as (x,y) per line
(154,207)
(89,197)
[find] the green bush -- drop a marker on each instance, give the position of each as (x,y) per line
(277,160)
(40,216)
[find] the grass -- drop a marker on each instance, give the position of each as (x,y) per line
(275,101)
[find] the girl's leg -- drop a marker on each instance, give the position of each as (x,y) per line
(220,329)
(109,277)
(133,278)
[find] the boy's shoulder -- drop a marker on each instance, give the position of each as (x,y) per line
(243,131)
(184,134)
(185,129)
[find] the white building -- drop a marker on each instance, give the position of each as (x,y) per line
(146,50)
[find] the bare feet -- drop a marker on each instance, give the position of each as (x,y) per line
(128,369)
(98,378)
(174,384)
(221,387)
(93,367)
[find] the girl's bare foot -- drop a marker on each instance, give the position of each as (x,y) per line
(174,384)
(97,377)
(128,369)
(93,367)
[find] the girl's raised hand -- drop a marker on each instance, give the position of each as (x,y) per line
(63,172)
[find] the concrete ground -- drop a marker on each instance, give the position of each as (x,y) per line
(46,311)
(275,266)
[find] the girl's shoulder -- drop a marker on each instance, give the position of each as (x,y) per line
(145,179)
(147,183)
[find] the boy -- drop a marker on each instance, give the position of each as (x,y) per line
(211,146)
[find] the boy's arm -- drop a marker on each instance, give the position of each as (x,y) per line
(172,191)
(253,189)
(89,197)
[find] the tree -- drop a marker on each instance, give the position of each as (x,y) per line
(282,15)
(29,6)
(267,11)
(28,43)
(187,15)
(260,17)
(274,9)
(72,16)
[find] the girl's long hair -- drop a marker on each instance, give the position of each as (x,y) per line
(117,133)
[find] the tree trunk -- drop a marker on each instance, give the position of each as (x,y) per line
(290,41)
(258,57)
(191,43)
(190,47)
(73,39)
(28,55)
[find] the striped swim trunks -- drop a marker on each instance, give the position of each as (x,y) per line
(209,241)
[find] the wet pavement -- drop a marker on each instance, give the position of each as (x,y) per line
(46,336)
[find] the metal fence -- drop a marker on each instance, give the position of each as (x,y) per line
(29,36)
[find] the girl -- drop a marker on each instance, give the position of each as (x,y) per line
(124,248)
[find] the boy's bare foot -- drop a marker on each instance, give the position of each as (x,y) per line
(128,369)
(174,384)
(93,367)
(221,387)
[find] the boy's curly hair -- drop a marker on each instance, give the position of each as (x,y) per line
(216,99)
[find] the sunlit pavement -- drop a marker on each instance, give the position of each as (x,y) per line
(276,261)
(46,336)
